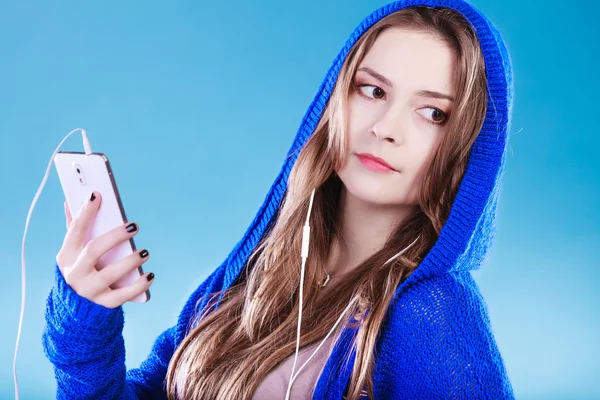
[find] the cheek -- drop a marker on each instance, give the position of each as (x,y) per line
(420,163)
(422,153)
(359,119)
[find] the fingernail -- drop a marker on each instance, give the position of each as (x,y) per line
(150,276)
(144,253)
(92,197)
(132,227)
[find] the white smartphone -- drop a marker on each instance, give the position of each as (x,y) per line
(79,175)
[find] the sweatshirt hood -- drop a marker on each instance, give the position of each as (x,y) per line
(469,230)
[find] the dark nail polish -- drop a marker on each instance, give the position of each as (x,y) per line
(132,227)
(150,276)
(144,253)
(92,197)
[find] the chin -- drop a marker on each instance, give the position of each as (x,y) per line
(376,190)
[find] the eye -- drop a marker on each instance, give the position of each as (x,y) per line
(371,91)
(434,115)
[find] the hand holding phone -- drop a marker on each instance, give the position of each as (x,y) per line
(81,174)
(78,257)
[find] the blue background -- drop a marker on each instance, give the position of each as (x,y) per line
(196,104)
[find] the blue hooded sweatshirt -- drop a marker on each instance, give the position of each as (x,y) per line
(436,342)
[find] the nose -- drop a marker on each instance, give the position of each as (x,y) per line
(389,128)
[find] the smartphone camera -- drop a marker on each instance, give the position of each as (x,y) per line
(79,172)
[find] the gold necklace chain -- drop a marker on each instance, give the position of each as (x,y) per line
(325,280)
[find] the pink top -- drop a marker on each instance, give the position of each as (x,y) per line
(274,385)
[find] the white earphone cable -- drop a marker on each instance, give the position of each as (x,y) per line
(88,150)
(304,255)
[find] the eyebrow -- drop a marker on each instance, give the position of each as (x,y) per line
(420,93)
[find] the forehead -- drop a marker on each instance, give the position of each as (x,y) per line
(413,60)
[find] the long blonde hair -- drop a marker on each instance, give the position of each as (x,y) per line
(231,349)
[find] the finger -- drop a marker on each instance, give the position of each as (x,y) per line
(77,232)
(95,282)
(68,214)
(117,297)
(97,247)
(115,271)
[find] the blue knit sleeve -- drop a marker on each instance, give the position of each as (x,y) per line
(84,342)
(441,345)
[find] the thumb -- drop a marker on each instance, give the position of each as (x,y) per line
(67,214)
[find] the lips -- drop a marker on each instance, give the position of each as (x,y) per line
(375,163)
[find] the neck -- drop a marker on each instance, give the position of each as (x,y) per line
(363,230)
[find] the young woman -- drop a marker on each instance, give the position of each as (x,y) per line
(396,168)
